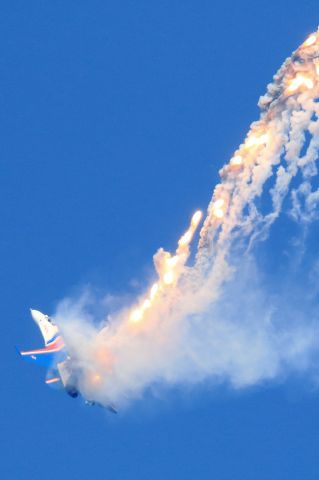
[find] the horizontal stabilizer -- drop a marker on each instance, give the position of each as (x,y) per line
(44,356)
(53,379)
(41,358)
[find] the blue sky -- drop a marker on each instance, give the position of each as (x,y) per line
(115,118)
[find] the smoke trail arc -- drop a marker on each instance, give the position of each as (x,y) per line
(272,148)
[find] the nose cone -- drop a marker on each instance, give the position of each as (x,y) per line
(37,316)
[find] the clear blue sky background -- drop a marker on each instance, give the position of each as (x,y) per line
(115,118)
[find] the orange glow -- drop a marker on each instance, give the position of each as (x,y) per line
(104,359)
(96,378)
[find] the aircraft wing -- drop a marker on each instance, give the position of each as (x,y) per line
(45,356)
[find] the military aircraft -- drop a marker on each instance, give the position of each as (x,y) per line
(61,372)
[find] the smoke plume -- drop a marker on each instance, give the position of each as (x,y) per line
(245,311)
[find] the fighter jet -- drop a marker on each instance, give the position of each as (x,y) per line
(61,372)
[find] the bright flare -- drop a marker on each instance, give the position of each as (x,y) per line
(218,208)
(196,218)
(147,304)
(254,140)
(154,291)
(136,315)
(168,278)
(298,82)
(236,161)
(169,269)
(172,261)
(310,40)
(185,239)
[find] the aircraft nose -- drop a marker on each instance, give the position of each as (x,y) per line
(36,315)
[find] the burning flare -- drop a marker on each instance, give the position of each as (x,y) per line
(310,40)
(169,269)
(299,82)
(236,161)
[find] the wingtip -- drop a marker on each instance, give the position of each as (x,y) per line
(17,350)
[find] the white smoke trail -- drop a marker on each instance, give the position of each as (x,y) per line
(222,319)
